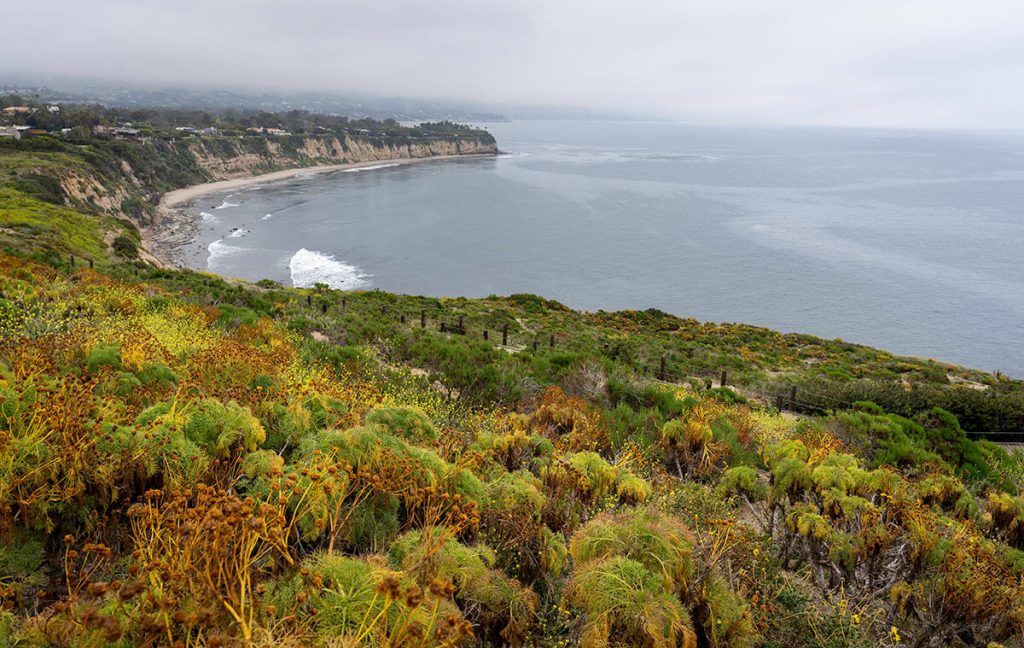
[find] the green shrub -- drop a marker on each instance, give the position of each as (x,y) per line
(622,598)
(125,247)
(157,375)
(150,449)
(725,617)
(657,541)
(499,605)
(215,427)
(374,524)
(742,481)
(347,600)
(404,422)
(103,356)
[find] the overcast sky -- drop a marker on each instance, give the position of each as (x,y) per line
(934,63)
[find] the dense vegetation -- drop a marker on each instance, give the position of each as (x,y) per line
(191,461)
(187,461)
(165,122)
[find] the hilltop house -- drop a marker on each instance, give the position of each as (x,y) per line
(268,131)
(12,110)
(125,132)
(10,132)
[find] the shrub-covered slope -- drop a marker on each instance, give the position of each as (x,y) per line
(186,461)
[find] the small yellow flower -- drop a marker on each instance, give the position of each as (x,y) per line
(894,634)
(856,618)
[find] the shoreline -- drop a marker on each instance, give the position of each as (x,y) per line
(174,226)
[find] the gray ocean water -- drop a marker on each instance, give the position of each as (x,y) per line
(910,241)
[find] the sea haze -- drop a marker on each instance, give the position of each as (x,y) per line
(910,241)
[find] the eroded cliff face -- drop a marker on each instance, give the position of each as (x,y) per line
(128,186)
(87,190)
(224,159)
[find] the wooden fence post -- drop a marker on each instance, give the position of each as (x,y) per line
(724,376)
(534,344)
(423,318)
(90,263)
(504,335)
(792,398)
(72,260)
(344,304)
(661,369)
(401,318)
(383,310)
(462,327)
(441,326)
(707,383)
(551,341)
(485,334)
(323,307)
(780,402)
(309,300)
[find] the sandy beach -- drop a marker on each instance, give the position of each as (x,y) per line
(175,226)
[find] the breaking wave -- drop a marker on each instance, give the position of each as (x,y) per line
(218,250)
(371,167)
(309,267)
(227,203)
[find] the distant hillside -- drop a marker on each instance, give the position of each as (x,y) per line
(355,106)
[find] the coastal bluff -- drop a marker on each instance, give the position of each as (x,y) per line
(126,179)
(224,159)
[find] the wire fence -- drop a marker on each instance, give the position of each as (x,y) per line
(800,399)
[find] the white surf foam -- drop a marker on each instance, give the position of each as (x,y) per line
(227,203)
(238,233)
(371,167)
(267,217)
(218,250)
(206,216)
(309,267)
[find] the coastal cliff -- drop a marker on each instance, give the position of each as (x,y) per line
(129,184)
(223,159)
(100,197)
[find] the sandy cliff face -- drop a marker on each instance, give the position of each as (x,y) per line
(131,191)
(226,159)
(85,190)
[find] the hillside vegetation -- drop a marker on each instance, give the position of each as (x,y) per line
(190,461)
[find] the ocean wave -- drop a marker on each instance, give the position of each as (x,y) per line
(309,267)
(217,251)
(238,233)
(371,167)
(227,203)
(267,217)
